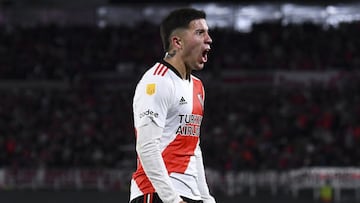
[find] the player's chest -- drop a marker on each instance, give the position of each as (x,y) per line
(188,99)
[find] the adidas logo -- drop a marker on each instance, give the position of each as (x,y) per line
(182,101)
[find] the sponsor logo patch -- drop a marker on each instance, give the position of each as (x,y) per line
(182,101)
(149,113)
(150,88)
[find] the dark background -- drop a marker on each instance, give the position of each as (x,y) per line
(299,117)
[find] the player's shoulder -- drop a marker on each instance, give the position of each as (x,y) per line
(156,81)
(160,70)
(158,73)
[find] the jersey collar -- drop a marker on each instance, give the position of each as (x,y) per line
(171,67)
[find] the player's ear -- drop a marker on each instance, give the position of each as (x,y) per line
(176,42)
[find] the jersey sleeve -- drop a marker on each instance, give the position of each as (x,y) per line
(203,186)
(152,100)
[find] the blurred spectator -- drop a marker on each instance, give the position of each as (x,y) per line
(90,124)
(56,52)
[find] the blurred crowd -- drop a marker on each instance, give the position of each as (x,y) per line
(299,47)
(58,52)
(90,125)
(260,129)
(65,128)
(63,53)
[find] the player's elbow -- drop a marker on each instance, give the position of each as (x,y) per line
(147,148)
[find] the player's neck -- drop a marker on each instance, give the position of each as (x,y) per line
(179,65)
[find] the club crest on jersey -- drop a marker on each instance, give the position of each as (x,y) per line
(150,88)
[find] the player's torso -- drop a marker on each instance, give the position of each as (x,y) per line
(180,116)
(185,114)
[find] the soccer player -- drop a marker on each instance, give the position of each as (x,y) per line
(168,108)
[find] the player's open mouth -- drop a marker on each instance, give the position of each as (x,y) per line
(204,55)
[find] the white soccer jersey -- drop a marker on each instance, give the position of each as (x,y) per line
(176,105)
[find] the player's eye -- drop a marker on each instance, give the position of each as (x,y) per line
(199,32)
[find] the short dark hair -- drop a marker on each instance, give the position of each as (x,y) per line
(179,18)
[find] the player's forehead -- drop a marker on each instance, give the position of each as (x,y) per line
(198,24)
(193,26)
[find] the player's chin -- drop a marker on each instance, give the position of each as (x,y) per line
(199,66)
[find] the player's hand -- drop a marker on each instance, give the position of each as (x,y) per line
(182,202)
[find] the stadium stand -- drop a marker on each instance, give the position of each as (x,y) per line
(279,98)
